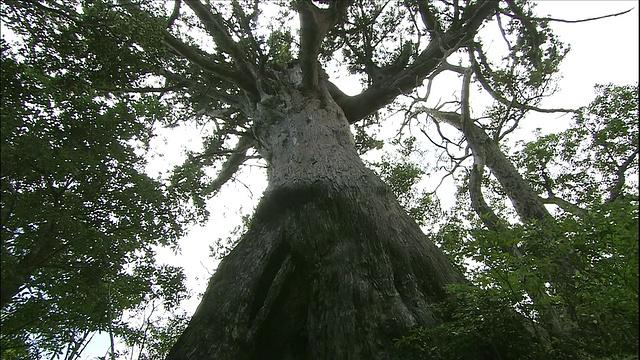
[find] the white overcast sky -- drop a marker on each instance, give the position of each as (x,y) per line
(603,51)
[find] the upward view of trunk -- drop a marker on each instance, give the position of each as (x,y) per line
(331,266)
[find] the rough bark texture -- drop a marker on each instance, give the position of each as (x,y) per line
(331,267)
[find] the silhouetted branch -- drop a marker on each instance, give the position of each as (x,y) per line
(232,164)
(572,21)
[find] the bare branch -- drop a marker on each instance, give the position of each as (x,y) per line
(500,134)
(526,202)
(573,21)
(456,165)
(142,90)
(485,84)
(504,35)
(431,140)
(465,110)
(198,59)
(233,163)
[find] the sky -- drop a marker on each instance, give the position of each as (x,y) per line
(603,51)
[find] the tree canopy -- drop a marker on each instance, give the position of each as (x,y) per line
(85,84)
(594,230)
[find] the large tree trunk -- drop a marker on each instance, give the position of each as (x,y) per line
(331,266)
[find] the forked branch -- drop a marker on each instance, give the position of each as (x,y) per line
(237,157)
(314,25)
(222,70)
(213,22)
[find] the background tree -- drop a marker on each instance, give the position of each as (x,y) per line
(581,171)
(80,218)
(517,87)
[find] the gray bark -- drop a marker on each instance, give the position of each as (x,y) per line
(526,202)
(528,205)
(331,266)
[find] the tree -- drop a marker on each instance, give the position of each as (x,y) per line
(80,218)
(596,192)
(587,172)
(331,265)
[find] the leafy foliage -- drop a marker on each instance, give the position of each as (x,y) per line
(475,321)
(80,218)
(594,164)
(597,157)
(402,174)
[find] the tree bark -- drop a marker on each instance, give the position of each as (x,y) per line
(528,205)
(331,267)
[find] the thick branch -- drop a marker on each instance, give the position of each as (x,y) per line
(213,23)
(565,205)
(380,94)
(314,25)
(478,203)
(174,14)
(527,203)
(428,18)
(620,178)
(207,65)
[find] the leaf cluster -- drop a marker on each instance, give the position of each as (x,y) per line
(583,262)
(475,324)
(80,218)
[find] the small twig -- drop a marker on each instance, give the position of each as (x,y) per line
(573,21)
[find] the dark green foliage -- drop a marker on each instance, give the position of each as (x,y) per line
(84,83)
(403,175)
(222,247)
(602,294)
(279,43)
(593,167)
(364,141)
(597,154)
(477,323)
(155,335)
(80,218)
